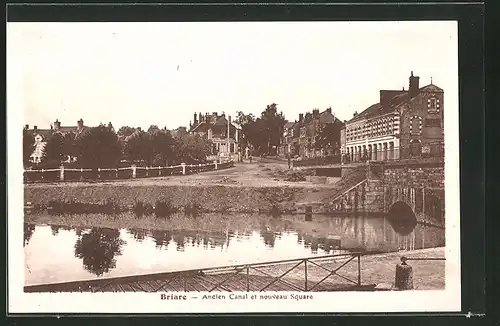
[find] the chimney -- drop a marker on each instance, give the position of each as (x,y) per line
(80,124)
(414,88)
(35,128)
(194,120)
(301,117)
(200,116)
(329,110)
(316,113)
(57,125)
(26,127)
(355,113)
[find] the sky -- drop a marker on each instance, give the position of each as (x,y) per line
(142,74)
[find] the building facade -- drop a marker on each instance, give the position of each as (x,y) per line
(300,137)
(404,124)
(216,128)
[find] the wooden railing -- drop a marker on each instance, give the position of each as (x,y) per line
(63,174)
(258,277)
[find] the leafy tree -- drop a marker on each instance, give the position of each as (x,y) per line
(152,129)
(28,146)
(191,149)
(98,148)
(53,152)
(248,131)
(69,144)
(265,132)
(272,126)
(98,249)
(125,131)
(162,144)
(138,147)
(329,137)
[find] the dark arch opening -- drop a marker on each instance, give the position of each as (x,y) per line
(402,218)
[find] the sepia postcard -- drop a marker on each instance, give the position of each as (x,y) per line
(233,167)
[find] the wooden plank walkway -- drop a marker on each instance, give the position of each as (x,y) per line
(320,273)
(225,282)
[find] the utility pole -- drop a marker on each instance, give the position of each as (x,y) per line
(228,131)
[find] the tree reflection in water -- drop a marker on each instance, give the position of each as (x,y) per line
(55,229)
(29,229)
(162,238)
(138,234)
(269,237)
(98,249)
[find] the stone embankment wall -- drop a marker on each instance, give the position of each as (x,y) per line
(419,185)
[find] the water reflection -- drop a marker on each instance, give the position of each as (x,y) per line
(28,232)
(210,241)
(98,249)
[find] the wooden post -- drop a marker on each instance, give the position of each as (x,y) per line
(98,173)
(61,173)
(134,171)
(183,168)
(216,164)
(423,203)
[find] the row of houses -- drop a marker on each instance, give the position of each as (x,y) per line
(42,136)
(300,136)
(404,123)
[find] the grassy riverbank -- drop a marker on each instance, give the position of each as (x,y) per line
(253,187)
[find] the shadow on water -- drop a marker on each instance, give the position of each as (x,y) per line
(402,218)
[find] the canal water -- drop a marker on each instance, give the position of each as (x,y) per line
(57,253)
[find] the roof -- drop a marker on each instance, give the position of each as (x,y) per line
(220,122)
(45,133)
(378,109)
(288,125)
(327,117)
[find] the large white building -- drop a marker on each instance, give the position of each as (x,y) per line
(405,123)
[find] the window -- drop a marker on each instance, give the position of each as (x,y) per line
(433,105)
(433,122)
(415,125)
(302,132)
